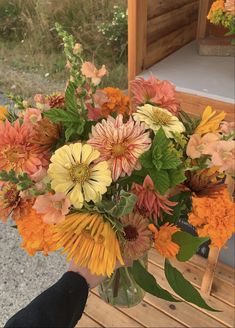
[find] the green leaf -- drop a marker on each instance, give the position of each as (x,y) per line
(147,282)
(176,176)
(161,180)
(123,206)
(184,288)
(70,98)
(146,160)
(170,161)
(182,200)
(57,115)
(160,139)
(188,244)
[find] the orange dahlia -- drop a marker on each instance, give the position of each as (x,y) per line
(16,150)
(116,102)
(213,217)
(36,235)
(163,239)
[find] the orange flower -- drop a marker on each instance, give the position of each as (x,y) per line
(162,239)
(218,4)
(36,235)
(3,113)
(213,217)
(117,102)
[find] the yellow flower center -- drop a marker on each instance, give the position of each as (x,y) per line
(118,150)
(79,172)
(160,118)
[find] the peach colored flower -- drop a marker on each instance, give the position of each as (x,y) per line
(230,6)
(223,155)
(150,202)
(32,116)
(90,71)
(156,92)
(197,145)
(52,207)
(39,175)
(120,144)
(227,128)
(16,151)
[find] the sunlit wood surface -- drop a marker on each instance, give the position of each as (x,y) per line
(154,312)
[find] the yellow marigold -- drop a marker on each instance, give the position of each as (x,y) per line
(213,217)
(36,235)
(163,239)
(3,113)
(117,102)
(218,4)
(90,241)
(210,121)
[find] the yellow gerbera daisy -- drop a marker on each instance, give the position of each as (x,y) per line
(73,172)
(90,241)
(157,117)
(210,121)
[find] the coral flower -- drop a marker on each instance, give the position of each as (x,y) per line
(154,91)
(223,155)
(137,235)
(197,145)
(213,217)
(210,121)
(228,128)
(90,71)
(74,173)
(121,144)
(156,117)
(53,207)
(150,202)
(3,113)
(32,116)
(16,150)
(37,236)
(9,199)
(163,239)
(90,241)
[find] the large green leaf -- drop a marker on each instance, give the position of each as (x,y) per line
(188,244)
(123,206)
(182,200)
(161,139)
(161,180)
(147,282)
(146,160)
(70,98)
(176,176)
(58,115)
(184,288)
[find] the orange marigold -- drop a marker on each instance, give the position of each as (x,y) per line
(117,102)
(213,217)
(163,239)
(216,5)
(36,235)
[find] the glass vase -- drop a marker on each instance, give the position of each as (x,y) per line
(121,289)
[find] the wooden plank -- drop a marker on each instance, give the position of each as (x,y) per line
(97,309)
(227,314)
(195,105)
(195,275)
(87,322)
(162,25)
(160,7)
(148,316)
(202,26)
(170,43)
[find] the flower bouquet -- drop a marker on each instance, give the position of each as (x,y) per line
(105,177)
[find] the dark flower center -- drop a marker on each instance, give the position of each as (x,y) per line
(131,233)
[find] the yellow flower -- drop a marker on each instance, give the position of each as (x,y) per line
(90,241)
(210,121)
(3,113)
(163,239)
(74,173)
(156,117)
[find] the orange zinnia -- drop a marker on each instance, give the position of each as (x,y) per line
(36,235)
(213,217)
(163,239)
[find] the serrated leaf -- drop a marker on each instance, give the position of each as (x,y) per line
(70,98)
(184,288)
(188,244)
(123,206)
(160,139)
(170,161)
(161,180)
(146,160)
(148,283)
(176,176)
(57,115)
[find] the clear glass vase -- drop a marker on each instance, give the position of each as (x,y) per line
(121,289)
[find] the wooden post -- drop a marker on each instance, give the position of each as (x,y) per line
(207,279)
(204,6)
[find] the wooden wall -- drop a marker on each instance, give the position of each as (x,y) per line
(170,25)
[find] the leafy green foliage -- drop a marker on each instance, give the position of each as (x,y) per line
(123,206)
(163,163)
(184,288)
(189,122)
(147,282)
(183,200)
(22,180)
(188,244)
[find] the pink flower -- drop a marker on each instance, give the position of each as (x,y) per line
(94,113)
(156,92)
(90,71)
(39,175)
(223,155)
(32,116)
(149,201)
(198,146)
(53,207)
(121,144)
(227,128)
(39,98)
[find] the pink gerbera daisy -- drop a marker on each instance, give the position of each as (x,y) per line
(120,144)
(136,234)
(156,92)
(150,202)
(16,151)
